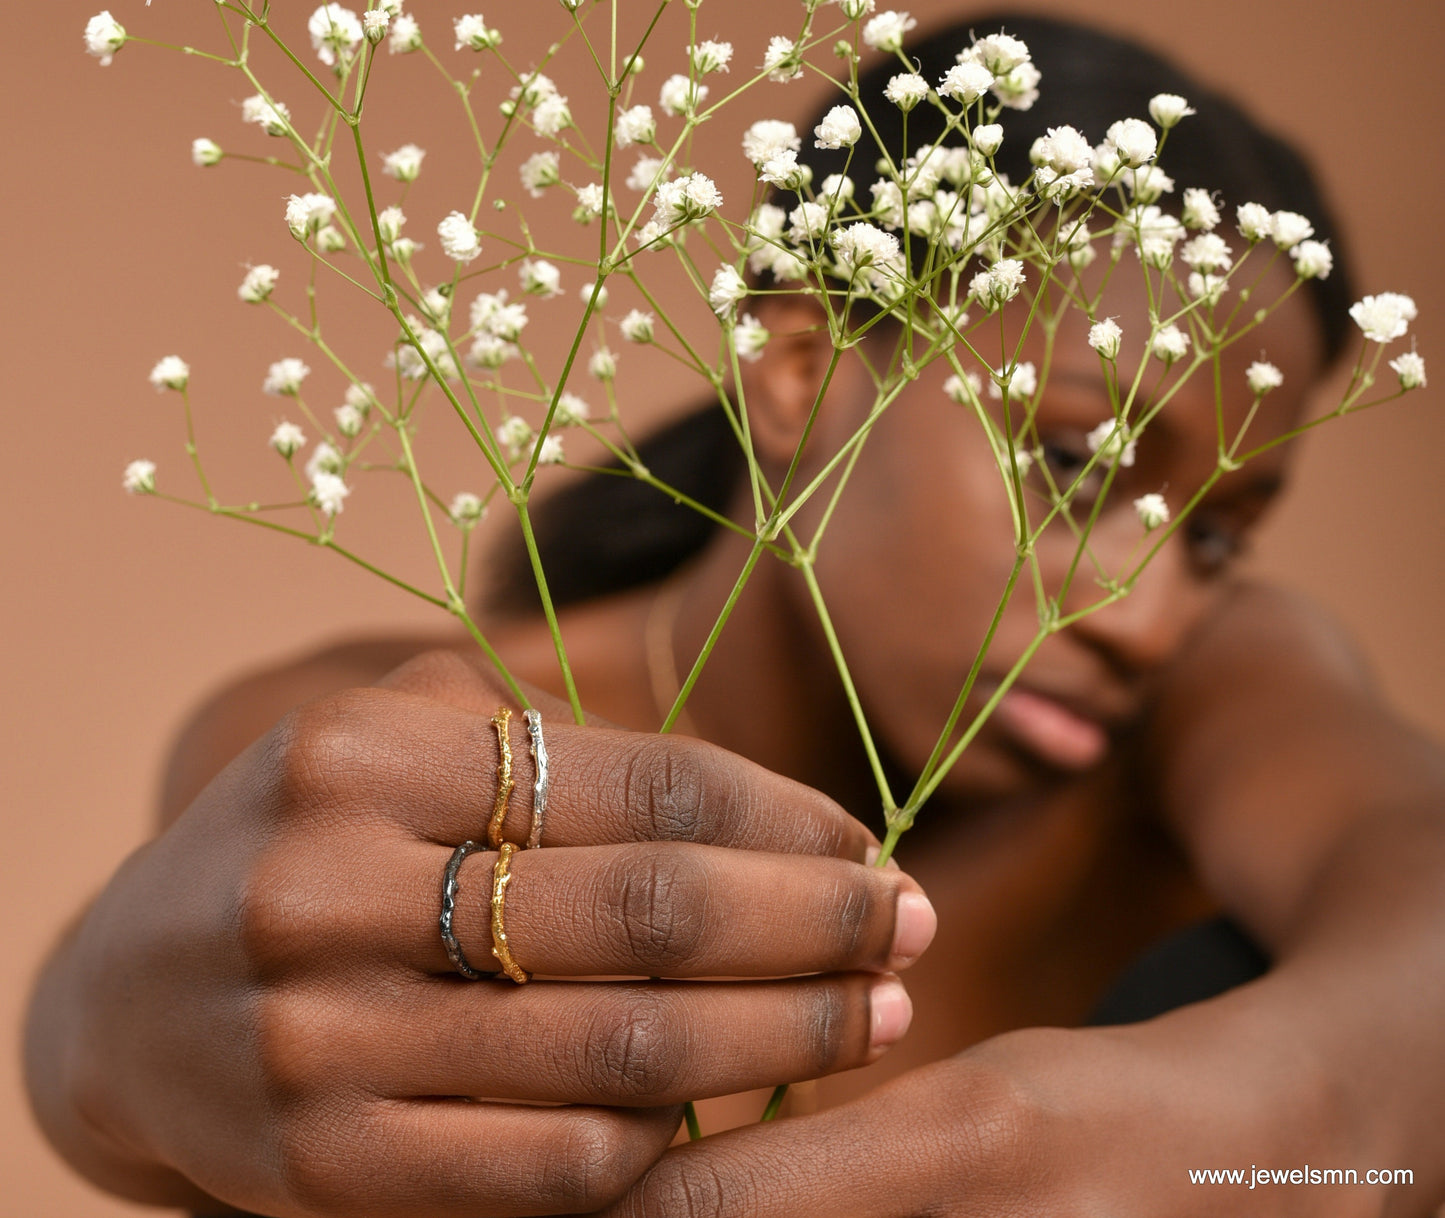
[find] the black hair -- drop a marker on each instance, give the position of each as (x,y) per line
(607,532)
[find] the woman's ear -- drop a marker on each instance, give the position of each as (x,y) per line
(780,387)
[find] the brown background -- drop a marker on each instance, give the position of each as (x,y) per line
(119,615)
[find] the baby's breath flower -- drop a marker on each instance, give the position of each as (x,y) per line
(1199,210)
(963,389)
(1385,317)
(330,240)
(404,164)
(472,33)
(392,8)
(373,24)
(768,137)
(1152,509)
(709,56)
(726,290)
(681,95)
(1063,150)
(906,90)
(324,459)
(349,421)
(1169,344)
(206,152)
(1148,183)
(403,248)
(258,284)
(360,396)
(306,214)
(781,60)
(1312,260)
(862,244)
(1262,376)
(637,326)
(750,336)
(550,452)
(589,202)
(104,36)
(388,222)
(588,290)
(551,115)
(966,82)
(1109,440)
(807,223)
(491,312)
(686,199)
(139,478)
(1207,253)
(335,34)
(329,492)
(784,170)
(1154,232)
(288,439)
(539,171)
(999,53)
(436,304)
(856,9)
(1134,140)
(1410,368)
(1021,382)
(885,32)
(988,138)
(1289,228)
(573,410)
(539,277)
(1208,288)
(836,188)
(1105,337)
(645,172)
(411,359)
(272,117)
(1018,89)
(1253,221)
(405,36)
(466,509)
(515,435)
(489,351)
(284,377)
(635,125)
(603,365)
(1002,281)
(172,372)
(840,128)
(459,239)
(1167,109)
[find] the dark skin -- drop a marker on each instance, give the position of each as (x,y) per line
(1205,744)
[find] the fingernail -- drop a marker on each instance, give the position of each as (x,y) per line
(891,1011)
(914,929)
(870,857)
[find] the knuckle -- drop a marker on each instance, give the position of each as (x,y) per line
(694,1187)
(311,752)
(314,1169)
(855,914)
(293,1046)
(1006,1126)
(827,1029)
(656,905)
(636,1054)
(441,674)
(591,1167)
(665,784)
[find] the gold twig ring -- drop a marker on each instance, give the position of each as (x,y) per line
(501,877)
(502,722)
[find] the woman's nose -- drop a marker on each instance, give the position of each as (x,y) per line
(1144,628)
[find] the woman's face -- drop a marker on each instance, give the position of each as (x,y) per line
(922,544)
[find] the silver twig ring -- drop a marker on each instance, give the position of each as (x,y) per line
(539,783)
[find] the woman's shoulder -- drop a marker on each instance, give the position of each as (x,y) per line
(246,707)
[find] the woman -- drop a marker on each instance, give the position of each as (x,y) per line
(259,1011)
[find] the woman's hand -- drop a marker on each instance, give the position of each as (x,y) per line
(1063,1123)
(259,1007)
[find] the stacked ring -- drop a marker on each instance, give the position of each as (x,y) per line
(502,722)
(539,782)
(450,888)
(501,877)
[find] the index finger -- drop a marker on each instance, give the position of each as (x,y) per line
(605,785)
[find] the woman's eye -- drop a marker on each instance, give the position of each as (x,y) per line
(1212,545)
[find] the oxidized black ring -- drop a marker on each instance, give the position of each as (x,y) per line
(450,888)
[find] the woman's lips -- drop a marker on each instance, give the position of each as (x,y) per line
(1051,730)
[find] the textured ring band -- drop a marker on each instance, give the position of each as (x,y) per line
(501,720)
(501,877)
(450,888)
(540,781)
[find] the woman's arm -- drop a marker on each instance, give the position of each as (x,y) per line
(1319,821)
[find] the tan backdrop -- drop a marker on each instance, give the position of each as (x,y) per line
(121,614)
